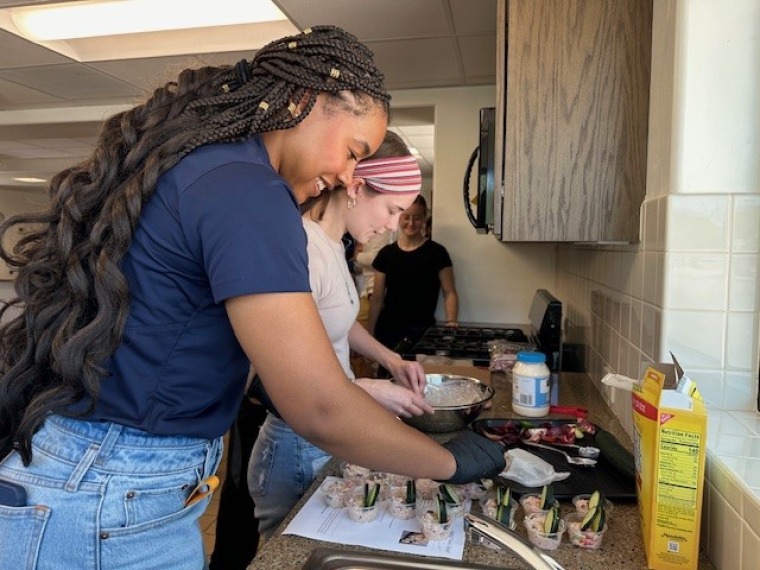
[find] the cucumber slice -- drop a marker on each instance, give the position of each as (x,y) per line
(546,498)
(440,509)
(504,513)
(599,519)
(503,496)
(411,492)
(589,519)
(450,493)
(551,522)
(594,500)
(371,494)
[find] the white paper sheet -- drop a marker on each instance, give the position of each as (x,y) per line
(318,521)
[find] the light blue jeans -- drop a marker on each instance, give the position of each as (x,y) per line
(103,496)
(282,467)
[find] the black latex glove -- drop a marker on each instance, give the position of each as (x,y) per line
(477,457)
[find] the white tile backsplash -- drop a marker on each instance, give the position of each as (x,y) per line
(745,232)
(690,287)
(698,223)
(696,280)
(743,283)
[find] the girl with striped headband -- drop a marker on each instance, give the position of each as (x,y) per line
(283,464)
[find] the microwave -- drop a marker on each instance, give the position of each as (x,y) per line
(481,216)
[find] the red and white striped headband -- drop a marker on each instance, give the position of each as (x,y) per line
(399,174)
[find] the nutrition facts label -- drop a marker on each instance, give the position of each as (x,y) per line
(678,474)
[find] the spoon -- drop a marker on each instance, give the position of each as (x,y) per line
(583,450)
(584,461)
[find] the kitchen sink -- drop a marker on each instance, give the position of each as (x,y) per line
(333,559)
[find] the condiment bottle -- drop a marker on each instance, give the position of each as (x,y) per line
(530,385)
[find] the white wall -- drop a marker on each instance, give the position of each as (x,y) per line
(495,281)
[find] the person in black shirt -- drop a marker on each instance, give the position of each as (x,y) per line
(409,274)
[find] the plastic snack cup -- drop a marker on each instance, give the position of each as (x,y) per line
(433,529)
(581,505)
(357,512)
(530,502)
(534,524)
(337,491)
(397,505)
(489,507)
(582,538)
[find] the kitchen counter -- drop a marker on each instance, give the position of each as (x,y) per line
(622,547)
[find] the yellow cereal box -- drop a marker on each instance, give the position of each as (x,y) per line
(669,441)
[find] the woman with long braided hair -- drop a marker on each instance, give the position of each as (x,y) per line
(162,266)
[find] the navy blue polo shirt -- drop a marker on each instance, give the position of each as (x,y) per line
(222,223)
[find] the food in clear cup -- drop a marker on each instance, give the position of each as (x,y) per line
(363,505)
(490,508)
(588,538)
(531,503)
(402,503)
(582,503)
(535,524)
(434,529)
(436,524)
(337,491)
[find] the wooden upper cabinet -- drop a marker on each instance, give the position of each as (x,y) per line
(573,109)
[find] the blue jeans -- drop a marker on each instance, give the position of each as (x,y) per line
(283,465)
(104,496)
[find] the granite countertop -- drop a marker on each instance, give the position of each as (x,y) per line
(622,547)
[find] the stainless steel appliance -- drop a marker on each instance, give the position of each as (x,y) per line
(470,341)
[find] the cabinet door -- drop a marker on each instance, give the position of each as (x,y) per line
(576,114)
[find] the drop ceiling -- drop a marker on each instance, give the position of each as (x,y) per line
(51,106)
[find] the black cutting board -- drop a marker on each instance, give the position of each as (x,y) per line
(604,476)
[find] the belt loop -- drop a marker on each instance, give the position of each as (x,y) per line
(213,454)
(84,464)
(114,431)
(96,454)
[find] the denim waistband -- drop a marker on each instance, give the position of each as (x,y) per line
(123,449)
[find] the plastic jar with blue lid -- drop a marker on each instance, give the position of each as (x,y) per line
(530,385)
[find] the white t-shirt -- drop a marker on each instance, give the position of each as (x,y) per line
(333,289)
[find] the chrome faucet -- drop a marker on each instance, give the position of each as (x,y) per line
(509,540)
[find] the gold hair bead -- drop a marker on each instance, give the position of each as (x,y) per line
(226,88)
(264,105)
(292,45)
(307,31)
(292,108)
(334,73)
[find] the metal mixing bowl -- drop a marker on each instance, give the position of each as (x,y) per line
(450,418)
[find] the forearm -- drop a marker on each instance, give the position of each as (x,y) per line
(317,400)
(375,306)
(451,307)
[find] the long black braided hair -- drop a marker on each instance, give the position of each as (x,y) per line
(72,294)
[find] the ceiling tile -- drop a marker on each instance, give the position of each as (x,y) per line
(479,56)
(396,18)
(148,73)
(406,62)
(473,16)
(14,96)
(18,52)
(70,81)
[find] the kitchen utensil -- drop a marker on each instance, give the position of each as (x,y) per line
(455,416)
(584,461)
(583,450)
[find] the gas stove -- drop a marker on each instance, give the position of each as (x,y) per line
(470,341)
